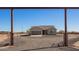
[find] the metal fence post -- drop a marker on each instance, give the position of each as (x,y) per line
(11,35)
(65,28)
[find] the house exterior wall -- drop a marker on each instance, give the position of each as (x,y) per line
(51,32)
(39,32)
(36,32)
(42,31)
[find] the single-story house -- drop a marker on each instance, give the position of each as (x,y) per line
(43,30)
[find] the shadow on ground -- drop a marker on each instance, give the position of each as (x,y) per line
(53,49)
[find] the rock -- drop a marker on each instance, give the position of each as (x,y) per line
(2,45)
(76,45)
(60,44)
(54,45)
(6,44)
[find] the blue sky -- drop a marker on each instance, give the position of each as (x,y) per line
(25,18)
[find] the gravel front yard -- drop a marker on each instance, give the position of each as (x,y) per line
(30,42)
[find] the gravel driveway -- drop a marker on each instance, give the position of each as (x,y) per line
(29,42)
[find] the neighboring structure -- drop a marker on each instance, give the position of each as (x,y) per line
(42,30)
(4,32)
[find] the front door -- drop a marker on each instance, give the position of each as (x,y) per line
(44,32)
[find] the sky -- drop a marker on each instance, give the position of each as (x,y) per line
(25,18)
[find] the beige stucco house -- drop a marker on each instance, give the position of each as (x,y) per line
(43,30)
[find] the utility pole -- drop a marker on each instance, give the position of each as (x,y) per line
(11,33)
(65,34)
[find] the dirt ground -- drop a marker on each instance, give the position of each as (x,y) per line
(3,37)
(35,42)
